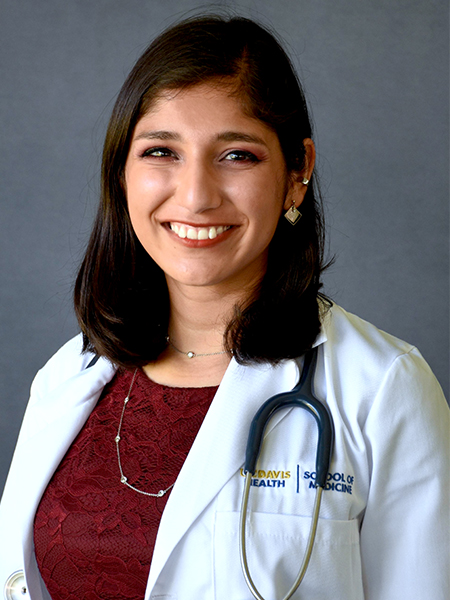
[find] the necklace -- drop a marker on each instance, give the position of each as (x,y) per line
(191,354)
(123,478)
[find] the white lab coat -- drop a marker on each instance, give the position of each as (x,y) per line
(384,525)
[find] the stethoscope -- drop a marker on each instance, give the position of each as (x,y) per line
(302,395)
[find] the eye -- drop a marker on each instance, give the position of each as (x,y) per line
(158,152)
(241,156)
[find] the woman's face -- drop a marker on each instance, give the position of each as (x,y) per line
(205,186)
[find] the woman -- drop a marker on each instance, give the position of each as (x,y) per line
(197,300)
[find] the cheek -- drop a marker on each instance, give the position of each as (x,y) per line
(268,203)
(145,190)
(139,188)
(263,195)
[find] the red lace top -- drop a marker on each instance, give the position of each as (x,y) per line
(94,537)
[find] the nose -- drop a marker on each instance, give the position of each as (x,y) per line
(198,188)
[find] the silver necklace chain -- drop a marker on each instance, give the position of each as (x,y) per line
(123,478)
(191,354)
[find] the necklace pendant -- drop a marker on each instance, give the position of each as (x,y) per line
(190,354)
(123,479)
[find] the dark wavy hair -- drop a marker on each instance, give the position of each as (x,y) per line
(121,297)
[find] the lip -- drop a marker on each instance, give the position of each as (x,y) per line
(198,235)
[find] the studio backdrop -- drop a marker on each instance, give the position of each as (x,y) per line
(376,78)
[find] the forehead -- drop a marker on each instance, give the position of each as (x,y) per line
(203,105)
(221,87)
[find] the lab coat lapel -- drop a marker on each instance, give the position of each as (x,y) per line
(50,428)
(218,451)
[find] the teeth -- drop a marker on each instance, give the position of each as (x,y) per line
(198,233)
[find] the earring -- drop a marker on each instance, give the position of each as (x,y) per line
(293,215)
(305,181)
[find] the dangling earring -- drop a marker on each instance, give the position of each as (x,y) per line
(292,214)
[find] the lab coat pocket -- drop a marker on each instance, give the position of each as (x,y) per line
(275,547)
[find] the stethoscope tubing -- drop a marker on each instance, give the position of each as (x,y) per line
(243,547)
(301,396)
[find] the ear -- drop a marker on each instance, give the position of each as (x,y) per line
(297,189)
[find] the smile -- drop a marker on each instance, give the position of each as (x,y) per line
(198,233)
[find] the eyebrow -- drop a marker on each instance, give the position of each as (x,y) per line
(236,136)
(226,136)
(159,135)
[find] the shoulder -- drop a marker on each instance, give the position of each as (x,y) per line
(372,367)
(358,347)
(348,333)
(65,364)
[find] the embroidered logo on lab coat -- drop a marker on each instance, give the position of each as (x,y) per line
(336,482)
(279,479)
(271,478)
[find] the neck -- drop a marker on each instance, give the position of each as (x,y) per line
(199,315)
(198,320)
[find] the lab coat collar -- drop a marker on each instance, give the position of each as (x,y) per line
(219,449)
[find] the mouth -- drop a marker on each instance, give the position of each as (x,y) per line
(184,231)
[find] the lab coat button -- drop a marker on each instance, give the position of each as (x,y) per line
(15,586)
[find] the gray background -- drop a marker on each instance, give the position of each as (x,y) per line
(376,75)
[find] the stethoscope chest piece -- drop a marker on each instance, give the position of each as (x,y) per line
(302,396)
(15,586)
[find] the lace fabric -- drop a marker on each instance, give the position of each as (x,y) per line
(94,536)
